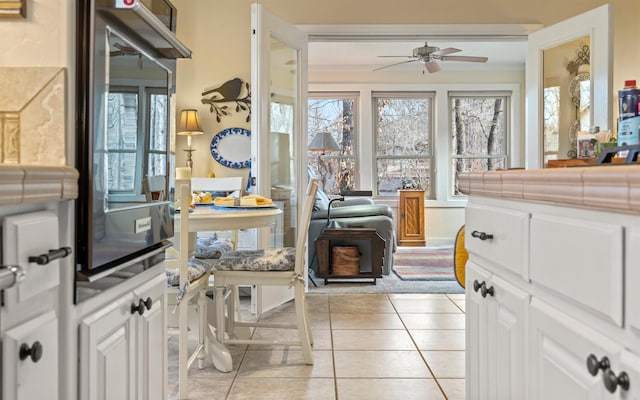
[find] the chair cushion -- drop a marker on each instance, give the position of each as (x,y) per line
(197,268)
(212,247)
(278,259)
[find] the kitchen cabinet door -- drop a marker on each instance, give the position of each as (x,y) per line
(30,359)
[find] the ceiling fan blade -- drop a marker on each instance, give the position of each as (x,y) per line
(448,50)
(396,56)
(464,58)
(432,66)
(391,65)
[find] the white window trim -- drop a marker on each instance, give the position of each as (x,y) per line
(441,146)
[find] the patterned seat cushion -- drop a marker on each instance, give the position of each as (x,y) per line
(279,259)
(212,247)
(197,268)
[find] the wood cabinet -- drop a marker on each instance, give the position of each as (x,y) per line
(411,229)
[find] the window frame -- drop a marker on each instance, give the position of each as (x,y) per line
(430,194)
(356,133)
(440,148)
(506,95)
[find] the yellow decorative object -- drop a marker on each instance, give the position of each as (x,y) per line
(460,257)
(252,200)
(211,175)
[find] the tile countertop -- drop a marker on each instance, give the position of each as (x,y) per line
(37,183)
(614,187)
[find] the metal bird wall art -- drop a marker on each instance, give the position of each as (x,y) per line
(232,91)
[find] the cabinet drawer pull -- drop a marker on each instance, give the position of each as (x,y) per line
(593,365)
(34,352)
(43,259)
(481,235)
(611,381)
(484,291)
(142,304)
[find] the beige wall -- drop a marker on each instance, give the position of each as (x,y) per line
(218,33)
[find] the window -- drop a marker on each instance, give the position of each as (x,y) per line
(403,126)
(335,113)
(126,149)
(551,122)
(479,130)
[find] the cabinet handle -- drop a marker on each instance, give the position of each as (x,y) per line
(477,285)
(139,308)
(43,259)
(484,291)
(481,235)
(593,365)
(10,275)
(611,381)
(35,352)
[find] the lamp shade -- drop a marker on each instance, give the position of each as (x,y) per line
(323,141)
(189,123)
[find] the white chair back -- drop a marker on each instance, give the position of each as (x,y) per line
(217,185)
(303,226)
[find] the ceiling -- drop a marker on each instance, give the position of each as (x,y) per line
(363,55)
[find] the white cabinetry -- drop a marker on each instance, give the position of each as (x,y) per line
(29,314)
(561,323)
(121,346)
(497,315)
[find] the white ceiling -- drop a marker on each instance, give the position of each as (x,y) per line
(363,55)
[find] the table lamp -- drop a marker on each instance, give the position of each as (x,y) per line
(189,125)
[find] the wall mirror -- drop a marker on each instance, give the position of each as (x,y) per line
(566,97)
(568,81)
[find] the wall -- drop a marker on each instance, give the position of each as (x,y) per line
(219,35)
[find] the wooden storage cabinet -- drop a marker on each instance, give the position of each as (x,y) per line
(411,229)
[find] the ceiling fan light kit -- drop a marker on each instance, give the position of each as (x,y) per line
(428,55)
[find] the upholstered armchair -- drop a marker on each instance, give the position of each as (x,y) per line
(357,212)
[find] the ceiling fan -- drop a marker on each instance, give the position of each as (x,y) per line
(122,50)
(428,55)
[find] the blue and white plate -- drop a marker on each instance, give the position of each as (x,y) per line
(232,148)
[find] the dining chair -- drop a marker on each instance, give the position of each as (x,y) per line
(187,278)
(283,266)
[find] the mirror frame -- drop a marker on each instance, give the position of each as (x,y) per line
(597,24)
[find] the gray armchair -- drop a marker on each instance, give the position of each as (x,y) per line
(359,212)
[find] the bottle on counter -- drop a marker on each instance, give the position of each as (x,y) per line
(629,114)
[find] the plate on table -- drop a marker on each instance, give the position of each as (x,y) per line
(244,207)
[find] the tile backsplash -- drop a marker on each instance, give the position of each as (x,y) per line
(33,115)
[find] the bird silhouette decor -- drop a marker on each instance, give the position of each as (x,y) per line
(232,91)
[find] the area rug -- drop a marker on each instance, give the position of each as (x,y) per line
(424,264)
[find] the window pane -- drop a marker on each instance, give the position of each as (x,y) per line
(336,170)
(157,164)
(158,122)
(394,174)
(121,170)
(403,126)
(551,122)
(122,128)
(478,125)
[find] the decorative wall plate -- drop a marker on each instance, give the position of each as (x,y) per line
(232,148)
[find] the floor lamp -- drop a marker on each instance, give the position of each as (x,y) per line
(323,142)
(189,125)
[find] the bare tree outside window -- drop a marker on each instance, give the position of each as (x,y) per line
(551,122)
(403,134)
(335,113)
(479,128)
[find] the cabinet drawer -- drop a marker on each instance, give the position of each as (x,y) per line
(26,235)
(507,246)
(35,374)
(581,260)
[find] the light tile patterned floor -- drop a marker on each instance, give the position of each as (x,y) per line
(366,346)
